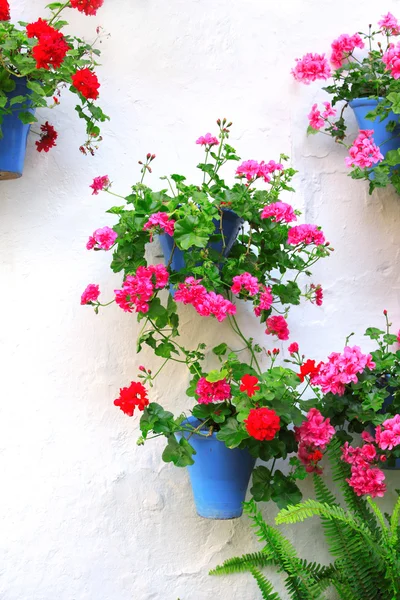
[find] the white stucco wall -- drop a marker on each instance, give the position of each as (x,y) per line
(86,514)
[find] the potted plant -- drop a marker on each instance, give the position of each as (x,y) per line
(364,71)
(361,392)
(36,62)
(241,411)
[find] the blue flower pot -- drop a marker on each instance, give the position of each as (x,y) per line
(231,225)
(219,476)
(386,140)
(15,135)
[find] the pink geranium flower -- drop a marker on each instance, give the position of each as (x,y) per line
(279,212)
(311,67)
(364,153)
(205,303)
(102,239)
(265,301)
(99,184)
(91,294)
(137,290)
(389,24)
(391,59)
(342,369)
(246,281)
(252,170)
(278,326)
(161,220)
(207,140)
(217,391)
(305,234)
(343,47)
(329,111)
(315,119)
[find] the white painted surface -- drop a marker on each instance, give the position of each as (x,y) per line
(87,515)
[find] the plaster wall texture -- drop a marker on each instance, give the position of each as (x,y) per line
(86,514)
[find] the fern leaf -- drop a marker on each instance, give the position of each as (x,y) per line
(394,524)
(267,591)
(238,564)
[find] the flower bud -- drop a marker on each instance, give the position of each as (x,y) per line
(142,368)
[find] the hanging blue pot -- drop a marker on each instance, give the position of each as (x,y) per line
(231,225)
(15,135)
(219,476)
(386,140)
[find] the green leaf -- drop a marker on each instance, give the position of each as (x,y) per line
(311,130)
(221,349)
(288,293)
(284,491)
(187,233)
(394,98)
(261,488)
(231,433)
(374,333)
(392,158)
(156,419)
(165,349)
(216,375)
(27,118)
(180,453)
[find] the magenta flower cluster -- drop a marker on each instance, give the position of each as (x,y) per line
(364,152)
(305,234)
(137,290)
(205,303)
(280,212)
(311,67)
(217,391)
(313,435)
(252,170)
(162,221)
(102,239)
(342,369)
(343,47)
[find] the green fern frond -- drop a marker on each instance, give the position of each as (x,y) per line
(394,524)
(238,564)
(267,591)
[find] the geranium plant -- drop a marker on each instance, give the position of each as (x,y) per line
(362,65)
(248,406)
(47,60)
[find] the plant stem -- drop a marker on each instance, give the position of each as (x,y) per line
(58,12)
(235,326)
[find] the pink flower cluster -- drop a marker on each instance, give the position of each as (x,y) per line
(311,67)
(391,59)
(102,239)
(305,234)
(207,140)
(205,303)
(207,392)
(265,301)
(313,435)
(390,24)
(365,477)
(388,435)
(364,152)
(317,119)
(279,212)
(99,184)
(342,369)
(278,326)
(137,290)
(293,348)
(161,220)
(246,281)
(318,294)
(343,46)
(252,170)
(91,294)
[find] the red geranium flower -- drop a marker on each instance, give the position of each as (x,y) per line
(262,424)
(308,368)
(47,138)
(249,385)
(89,7)
(132,396)
(51,47)
(86,82)
(4,10)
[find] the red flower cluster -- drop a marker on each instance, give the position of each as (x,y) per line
(309,368)
(51,47)
(89,7)
(47,138)
(86,82)
(132,396)
(262,424)
(248,384)
(4,10)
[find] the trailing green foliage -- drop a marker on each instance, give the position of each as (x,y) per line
(363,542)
